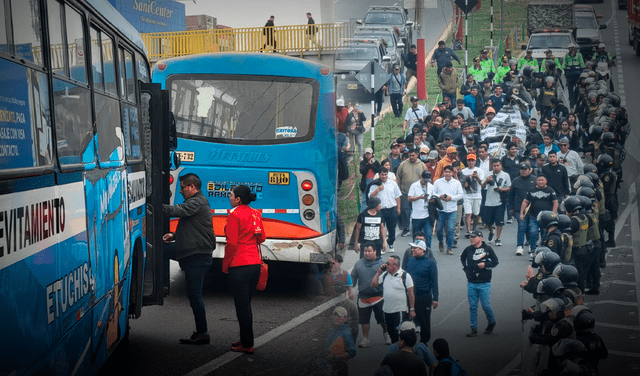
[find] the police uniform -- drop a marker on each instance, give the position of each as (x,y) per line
(592,266)
(572,66)
(553,240)
(580,227)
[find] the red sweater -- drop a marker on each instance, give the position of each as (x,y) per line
(244,232)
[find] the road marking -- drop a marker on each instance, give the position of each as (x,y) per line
(617,302)
(620,264)
(627,211)
(617,326)
(208,368)
(624,353)
(627,283)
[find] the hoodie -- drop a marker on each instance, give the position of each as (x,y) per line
(362,275)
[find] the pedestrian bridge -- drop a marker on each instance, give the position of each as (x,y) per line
(288,40)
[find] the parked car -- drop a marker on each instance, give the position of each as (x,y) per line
(588,33)
(557,42)
(390,16)
(388,36)
(351,59)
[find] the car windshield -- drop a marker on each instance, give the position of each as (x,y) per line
(586,23)
(383,18)
(549,41)
(357,53)
(386,36)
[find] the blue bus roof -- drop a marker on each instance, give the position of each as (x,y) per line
(114,17)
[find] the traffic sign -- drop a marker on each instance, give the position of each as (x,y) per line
(381,76)
(469,7)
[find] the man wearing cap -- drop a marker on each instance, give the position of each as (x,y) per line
(466,140)
(404,360)
(449,191)
(396,88)
(425,280)
(498,98)
(424,153)
(502,70)
(462,109)
(528,59)
(489,114)
(338,345)
(486,62)
(370,228)
(570,159)
(449,158)
(471,181)
(478,260)
(549,57)
(369,298)
(415,115)
(448,82)
(408,173)
(389,194)
(341,115)
(419,194)
(572,65)
(394,157)
(443,55)
(520,186)
(420,349)
(397,286)
(335,282)
(432,162)
(477,70)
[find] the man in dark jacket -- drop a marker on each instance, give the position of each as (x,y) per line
(557,177)
(193,246)
(443,55)
(520,186)
(478,260)
(424,272)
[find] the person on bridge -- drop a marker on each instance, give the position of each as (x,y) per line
(193,246)
(242,259)
(270,34)
(478,260)
(310,34)
(443,55)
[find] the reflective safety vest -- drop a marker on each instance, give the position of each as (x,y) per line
(501,72)
(488,65)
(523,61)
(594,230)
(580,236)
(573,64)
(478,73)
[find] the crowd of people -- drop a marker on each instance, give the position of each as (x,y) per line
(559,184)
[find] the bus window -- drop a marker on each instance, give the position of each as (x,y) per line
(58,63)
(3,35)
(110,137)
(73,122)
(108,65)
(27,36)
(75,44)
(123,86)
(132,135)
(96,60)
(143,69)
(131,80)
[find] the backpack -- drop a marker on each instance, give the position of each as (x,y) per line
(404,283)
(456,368)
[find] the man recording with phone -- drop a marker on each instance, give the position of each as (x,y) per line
(498,185)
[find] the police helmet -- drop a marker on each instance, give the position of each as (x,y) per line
(583,319)
(608,138)
(595,179)
(550,286)
(550,79)
(602,83)
(596,132)
(593,74)
(414,99)
(572,204)
(547,218)
(540,251)
(615,99)
(527,70)
(549,260)
(584,75)
(584,182)
(564,223)
(513,62)
(589,81)
(592,94)
(605,161)
(586,202)
(556,305)
(587,192)
(567,274)
(568,348)
(589,167)
(589,64)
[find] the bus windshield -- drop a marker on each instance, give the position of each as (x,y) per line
(244,109)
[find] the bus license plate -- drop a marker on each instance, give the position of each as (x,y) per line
(278,178)
(352,86)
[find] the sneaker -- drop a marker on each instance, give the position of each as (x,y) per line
(390,247)
(498,242)
(489,328)
(455,244)
(531,258)
(387,338)
(467,235)
(449,251)
(510,220)
(490,235)
(196,339)
(364,343)
(441,246)
(519,251)
(417,328)
(383,252)
(484,226)
(526,242)
(472,333)
(406,233)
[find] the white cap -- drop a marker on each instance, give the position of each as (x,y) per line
(407,325)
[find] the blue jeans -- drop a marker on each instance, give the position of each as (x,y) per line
(195,267)
(450,218)
(528,225)
(482,292)
(452,97)
(424,225)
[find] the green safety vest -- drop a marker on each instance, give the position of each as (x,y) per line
(594,231)
(501,72)
(523,61)
(487,64)
(478,73)
(580,236)
(573,62)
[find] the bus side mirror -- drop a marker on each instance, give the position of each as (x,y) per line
(175,161)
(173,134)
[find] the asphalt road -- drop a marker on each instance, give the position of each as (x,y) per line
(289,325)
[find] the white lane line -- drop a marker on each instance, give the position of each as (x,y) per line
(617,326)
(616,302)
(627,211)
(624,353)
(208,368)
(626,283)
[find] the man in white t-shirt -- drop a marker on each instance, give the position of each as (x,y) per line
(397,286)
(449,191)
(570,159)
(498,185)
(414,115)
(418,196)
(389,194)
(471,184)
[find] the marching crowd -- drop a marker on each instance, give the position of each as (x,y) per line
(559,184)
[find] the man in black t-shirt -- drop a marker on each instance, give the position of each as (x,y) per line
(404,361)
(541,197)
(370,228)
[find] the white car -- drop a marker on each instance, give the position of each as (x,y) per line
(557,42)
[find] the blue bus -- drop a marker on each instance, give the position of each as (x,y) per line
(84,171)
(266,121)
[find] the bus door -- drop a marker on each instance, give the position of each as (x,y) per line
(158,125)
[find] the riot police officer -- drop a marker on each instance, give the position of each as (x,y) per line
(548,221)
(580,228)
(584,322)
(609,181)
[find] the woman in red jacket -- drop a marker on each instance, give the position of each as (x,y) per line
(242,260)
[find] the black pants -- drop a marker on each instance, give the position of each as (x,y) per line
(243,281)
(396,104)
(423,316)
(405,213)
(579,255)
(390,218)
(393,321)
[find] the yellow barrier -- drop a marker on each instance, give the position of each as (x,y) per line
(280,39)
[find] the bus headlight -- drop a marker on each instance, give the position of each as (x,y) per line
(309,214)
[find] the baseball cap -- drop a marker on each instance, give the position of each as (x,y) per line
(529,51)
(396,67)
(432,155)
(471,156)
(447,136)
(507,50)
(484,51)
(373,202)
(440,43)
(452,149)
(340,311)
(490,109)
(368,150)
(524,166)
(424,149)
(475,233)
(476,59)
(420,244)
(548,51)
(340,102)
(407,325)
(469,136)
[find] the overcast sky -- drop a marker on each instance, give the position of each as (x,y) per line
(251,13)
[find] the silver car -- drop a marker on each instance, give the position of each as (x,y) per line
(391,39)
